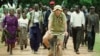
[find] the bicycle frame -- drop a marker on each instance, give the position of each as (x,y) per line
(54,45)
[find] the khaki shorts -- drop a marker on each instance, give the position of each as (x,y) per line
(60,36)
(49,35)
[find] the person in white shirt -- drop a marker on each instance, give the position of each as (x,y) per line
(77,21)
(18,14)
(23,24)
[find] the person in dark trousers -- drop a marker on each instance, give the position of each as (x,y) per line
(77,20)
(35,32)
(68,27)
(52,4)
(44,10)
(84,31)
(92,27)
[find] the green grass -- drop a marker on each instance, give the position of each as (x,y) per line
(97,45)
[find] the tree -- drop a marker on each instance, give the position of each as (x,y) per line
(45,2)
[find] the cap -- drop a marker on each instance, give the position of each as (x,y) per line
(57,7)
(52,2)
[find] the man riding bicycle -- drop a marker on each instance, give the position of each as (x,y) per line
(57,25)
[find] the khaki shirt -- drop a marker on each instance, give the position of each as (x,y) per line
(57,23)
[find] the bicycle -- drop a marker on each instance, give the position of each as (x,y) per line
(54,46)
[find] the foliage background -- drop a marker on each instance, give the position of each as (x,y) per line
(67,2)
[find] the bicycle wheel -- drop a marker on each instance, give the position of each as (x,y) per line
(55,49)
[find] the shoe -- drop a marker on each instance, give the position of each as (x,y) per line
(48,48)
(21,47)
(65,47)
(25,46)
(7,49)
(90,50)
(77,52)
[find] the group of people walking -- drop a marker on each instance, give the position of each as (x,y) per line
(40,22)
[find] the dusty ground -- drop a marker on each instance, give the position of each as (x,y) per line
(27,52)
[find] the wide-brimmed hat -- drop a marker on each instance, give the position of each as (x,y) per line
(57,7)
